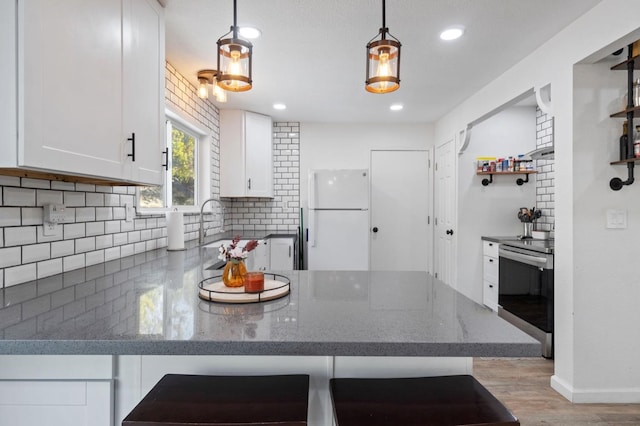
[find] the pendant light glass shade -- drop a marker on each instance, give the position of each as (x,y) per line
(234,60)
(383,61)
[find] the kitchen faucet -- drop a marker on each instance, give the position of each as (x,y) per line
(201,231)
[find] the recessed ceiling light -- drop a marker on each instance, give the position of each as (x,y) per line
(279,106)
(249,32)
(452,33)
(396,107)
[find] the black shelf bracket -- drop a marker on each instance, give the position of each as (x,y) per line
(519,181)
(616,183)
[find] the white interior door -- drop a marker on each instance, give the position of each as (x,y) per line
(400,223)
(445,210)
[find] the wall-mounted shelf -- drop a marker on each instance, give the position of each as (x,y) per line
(627,161)
(632,63)
(519,181)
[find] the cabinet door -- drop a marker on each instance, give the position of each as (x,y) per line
(8,87)
(281,254)
(143,107)
(258,259)
(258,155)
(70,86)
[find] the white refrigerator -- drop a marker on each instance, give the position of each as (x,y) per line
(338,224)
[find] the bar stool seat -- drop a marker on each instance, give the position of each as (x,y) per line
(432,401)
(179,399)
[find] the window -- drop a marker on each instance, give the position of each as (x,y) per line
(182,183)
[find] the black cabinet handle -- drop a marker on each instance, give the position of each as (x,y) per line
(491,260)
(449,231)
(133,147)
(375,229)
(249,184)
(166,154)
(490,285)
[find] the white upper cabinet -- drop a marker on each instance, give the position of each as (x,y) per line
(143,103)
(89,76)
(246,163)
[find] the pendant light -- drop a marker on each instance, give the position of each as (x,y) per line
(234,60)
(206,77)
(383,60)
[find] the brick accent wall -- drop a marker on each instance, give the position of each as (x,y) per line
(545,187)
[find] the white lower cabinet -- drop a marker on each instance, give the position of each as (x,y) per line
(282,254)
(258,259)
(57,390)
(490,270)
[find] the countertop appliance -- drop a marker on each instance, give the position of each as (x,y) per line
(526,287)
(338,232)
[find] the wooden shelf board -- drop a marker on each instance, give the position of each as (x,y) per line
(627,161)
(622,66)
(524,172)
(623,114)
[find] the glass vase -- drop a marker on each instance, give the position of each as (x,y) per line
(233,274)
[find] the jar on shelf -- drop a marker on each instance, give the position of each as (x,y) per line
(636,93)
(636,143)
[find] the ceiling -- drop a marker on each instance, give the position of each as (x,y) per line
(311,55)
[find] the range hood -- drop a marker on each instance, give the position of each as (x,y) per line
(540,154)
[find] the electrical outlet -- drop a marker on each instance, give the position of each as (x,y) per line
(616,219)
(54,213)
(50,229)
(129,212)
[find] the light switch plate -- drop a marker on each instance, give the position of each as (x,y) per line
(616,219)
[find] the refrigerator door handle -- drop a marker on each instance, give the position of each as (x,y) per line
(313,183)
(311,231)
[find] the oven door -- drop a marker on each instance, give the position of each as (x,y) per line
(526,292)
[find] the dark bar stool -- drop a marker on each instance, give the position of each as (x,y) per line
(179,399)
(432,401)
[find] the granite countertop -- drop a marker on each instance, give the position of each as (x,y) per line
(148,304)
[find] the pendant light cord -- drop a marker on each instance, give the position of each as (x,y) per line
(235,19)
(384,20)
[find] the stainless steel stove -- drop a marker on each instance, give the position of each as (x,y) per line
(526,288)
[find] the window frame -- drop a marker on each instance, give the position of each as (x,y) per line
(204,139)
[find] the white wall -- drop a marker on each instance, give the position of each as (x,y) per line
(348,146)
(491,210)
(580,317)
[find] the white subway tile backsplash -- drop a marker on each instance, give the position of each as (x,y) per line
(86,187)
(104,213)
(84,245)
(94,257)
(70,263)
(74,230)
(94,228)
(10,256)
(73,199)
(64,186)
(35,183)
(120,239)
(19,274)
(111,200)
(18,236)
(126,250)
(22,197)
(44,196)
(112,254)
(36,252)
(49,267)
(94,199)
(85,214)
(104,241)
(10,216)
(9,181)
(62,248)
(112,227)
(31,216)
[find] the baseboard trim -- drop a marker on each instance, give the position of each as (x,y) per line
(591,396)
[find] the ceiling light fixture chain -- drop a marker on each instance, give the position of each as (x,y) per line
(383,60)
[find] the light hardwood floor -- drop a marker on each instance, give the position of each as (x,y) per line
(522,384)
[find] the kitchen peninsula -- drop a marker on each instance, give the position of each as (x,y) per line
(127,322)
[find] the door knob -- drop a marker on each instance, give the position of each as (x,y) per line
(375,229)
(449,231)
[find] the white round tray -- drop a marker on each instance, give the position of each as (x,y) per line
(216,291)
